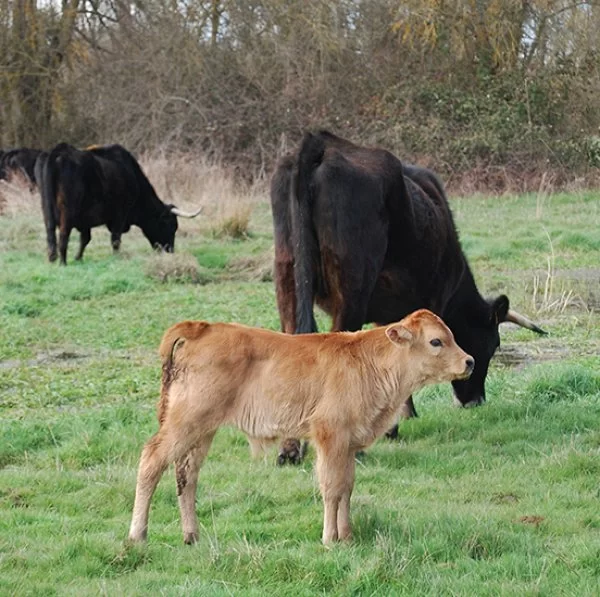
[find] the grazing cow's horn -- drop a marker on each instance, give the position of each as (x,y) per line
(523,321)
(185,214)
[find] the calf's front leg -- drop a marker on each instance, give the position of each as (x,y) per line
(335,470)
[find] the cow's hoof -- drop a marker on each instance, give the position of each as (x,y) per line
(291,451)
(190,538)
(392,433)
(52,257)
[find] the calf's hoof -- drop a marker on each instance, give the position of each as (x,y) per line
(137,537)
(291,451)
(190,538)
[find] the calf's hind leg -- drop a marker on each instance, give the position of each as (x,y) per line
(186,474)
(153,462)
(162,449)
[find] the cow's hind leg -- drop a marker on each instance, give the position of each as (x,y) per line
(63,239)
(63,243)
(50,225)
(186,474)
(291,450)
(408,411)
(85,236)
(115,241)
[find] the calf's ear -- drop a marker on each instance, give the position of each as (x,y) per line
(500,308)
(398,334)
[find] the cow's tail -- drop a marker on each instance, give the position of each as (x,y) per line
(47,186)
(174,338)
(304,237)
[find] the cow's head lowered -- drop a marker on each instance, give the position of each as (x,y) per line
(478,334)
(160,231)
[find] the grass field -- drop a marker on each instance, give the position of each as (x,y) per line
(498,500)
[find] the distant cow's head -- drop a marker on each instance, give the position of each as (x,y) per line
(479,335)
(440,358)
(161,231)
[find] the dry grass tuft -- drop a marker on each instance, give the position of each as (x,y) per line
(253,269)
(176,267)
(548,295)
(17,199)
(233,225)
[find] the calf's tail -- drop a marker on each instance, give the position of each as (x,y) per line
(177,334)
(304,237)
(172,339)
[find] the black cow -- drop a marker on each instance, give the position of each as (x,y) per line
(101,185)
(20,161)
(371,240)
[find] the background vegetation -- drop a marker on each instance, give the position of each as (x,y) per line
(491,93)
(497,500)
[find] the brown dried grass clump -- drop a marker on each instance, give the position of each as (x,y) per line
(176,267)
(253,269)
(234,225)
(17,199)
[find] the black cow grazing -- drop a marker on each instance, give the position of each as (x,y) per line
(371,240)
(19,161)
(102,185)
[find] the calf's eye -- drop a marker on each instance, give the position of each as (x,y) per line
(435,342)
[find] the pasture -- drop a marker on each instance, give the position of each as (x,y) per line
(498,500)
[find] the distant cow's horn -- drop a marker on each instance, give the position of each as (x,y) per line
(523,321)
(185,214)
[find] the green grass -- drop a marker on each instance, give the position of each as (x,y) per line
(498,500)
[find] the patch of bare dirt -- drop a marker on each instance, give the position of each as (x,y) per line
(505,498)
(531,519)
(585,282)
(43,358)
(522,355)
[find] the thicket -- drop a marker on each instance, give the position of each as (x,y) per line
(486,88)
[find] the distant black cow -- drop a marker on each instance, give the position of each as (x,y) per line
(101,185)
(369,240)
(19,161)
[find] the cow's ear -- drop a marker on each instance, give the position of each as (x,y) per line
(500,308)
(398,334)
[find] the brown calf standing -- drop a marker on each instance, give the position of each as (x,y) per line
(342,390)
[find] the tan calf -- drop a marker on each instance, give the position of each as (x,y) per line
(342,390)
